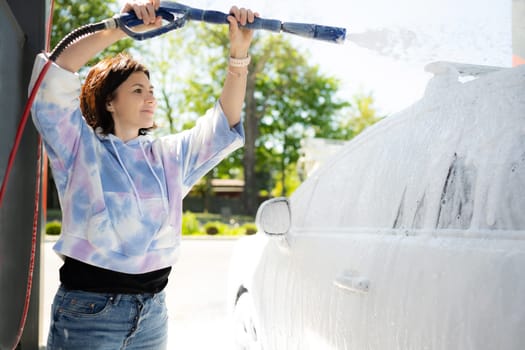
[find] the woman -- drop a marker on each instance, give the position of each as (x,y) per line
(120,189)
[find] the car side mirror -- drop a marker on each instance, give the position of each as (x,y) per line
(274,216)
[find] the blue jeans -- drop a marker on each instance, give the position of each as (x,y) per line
(87,321)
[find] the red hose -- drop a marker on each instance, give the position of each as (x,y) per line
(33,249)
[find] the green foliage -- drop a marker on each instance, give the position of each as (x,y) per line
(249,229)
(299,102)
(168,69)
(53,228)
(215,227)
(69,15)
(211,224)
(361,115)
(287,184)
(190,224)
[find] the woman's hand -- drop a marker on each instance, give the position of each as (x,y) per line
(240,38)
(144,10)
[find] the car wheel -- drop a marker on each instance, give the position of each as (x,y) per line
(244,325)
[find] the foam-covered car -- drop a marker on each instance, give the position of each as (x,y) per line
(410,237)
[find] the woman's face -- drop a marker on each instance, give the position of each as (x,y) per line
(133,106)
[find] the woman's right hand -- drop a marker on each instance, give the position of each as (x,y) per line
(144,10)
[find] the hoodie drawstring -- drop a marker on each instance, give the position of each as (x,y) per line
(129,178)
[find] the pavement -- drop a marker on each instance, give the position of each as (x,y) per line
(196,294)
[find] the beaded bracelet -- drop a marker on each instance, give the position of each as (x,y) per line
(240,62)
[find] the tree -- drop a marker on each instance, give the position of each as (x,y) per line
(361,115)
(287,99)
(168,66)
(297,102)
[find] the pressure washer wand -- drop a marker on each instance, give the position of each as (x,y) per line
(187,13)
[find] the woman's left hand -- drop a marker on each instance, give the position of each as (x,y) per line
(240,38)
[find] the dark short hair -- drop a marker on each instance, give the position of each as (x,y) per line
(99,88)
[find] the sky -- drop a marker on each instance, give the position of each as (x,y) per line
(389,43)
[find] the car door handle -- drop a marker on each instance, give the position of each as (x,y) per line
(352,282)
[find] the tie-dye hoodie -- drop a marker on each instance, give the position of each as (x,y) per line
(122,201)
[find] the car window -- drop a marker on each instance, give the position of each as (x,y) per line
(353,191)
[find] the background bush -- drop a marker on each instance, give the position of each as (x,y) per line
(190,224)
(215,227)
(215,224)
(249,229)
(53,228)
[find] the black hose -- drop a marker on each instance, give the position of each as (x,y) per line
(74,36)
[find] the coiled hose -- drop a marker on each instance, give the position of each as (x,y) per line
(75,35)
